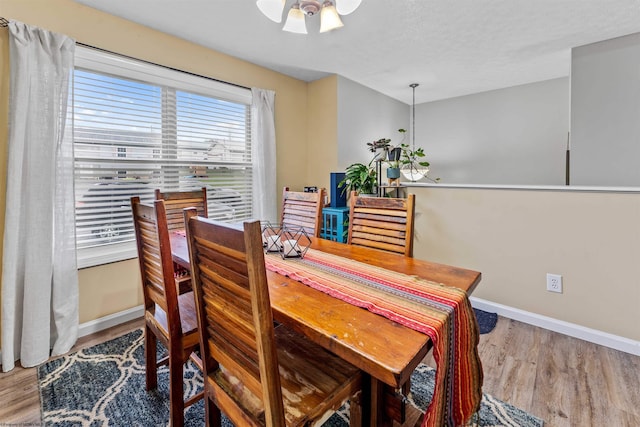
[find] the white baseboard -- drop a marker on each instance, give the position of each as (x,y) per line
(571,329)
(114,319)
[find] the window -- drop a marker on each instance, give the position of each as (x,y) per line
(138,127)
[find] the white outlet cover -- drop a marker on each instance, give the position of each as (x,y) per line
(554,283)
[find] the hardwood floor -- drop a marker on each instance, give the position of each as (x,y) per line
(562,380)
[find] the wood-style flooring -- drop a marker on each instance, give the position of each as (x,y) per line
(562,380)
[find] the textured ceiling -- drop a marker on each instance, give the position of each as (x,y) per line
(451,48)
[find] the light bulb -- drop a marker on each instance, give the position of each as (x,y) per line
(329,18)
(295,21)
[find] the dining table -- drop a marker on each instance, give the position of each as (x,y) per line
(386,351)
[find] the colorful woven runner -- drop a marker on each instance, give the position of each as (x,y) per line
(441,312)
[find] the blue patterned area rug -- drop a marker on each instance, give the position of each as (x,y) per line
(104,385)
(486,321)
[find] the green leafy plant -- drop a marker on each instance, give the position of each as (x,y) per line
(359,177)
(382,143)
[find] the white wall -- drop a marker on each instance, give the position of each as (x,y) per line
(512,136)
(605,113)
(365,115)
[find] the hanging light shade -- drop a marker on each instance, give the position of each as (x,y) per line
(301,9)
(295,21)
(414,171)
(345,7)
(272,9)
(329,18)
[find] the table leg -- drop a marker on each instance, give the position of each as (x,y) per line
(378,414)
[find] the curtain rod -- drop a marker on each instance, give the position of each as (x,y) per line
(5,23)
(163,66)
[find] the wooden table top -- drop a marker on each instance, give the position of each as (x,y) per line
(381,347)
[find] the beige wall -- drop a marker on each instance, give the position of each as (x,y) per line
(114,287)
(108,289)
(515,237)
(322,131)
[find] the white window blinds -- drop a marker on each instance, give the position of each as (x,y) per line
(138,127)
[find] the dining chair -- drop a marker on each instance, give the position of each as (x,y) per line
(169,317)
(303,210)
(176,201)
(255,373)
(382,223)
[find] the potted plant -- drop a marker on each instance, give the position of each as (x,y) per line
(394,160)
(360,178)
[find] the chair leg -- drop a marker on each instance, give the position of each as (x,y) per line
(176,390)
(212,415)
(151,363)
(355,410)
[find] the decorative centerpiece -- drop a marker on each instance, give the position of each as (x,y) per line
(271,238)
(295,242)
(289,242)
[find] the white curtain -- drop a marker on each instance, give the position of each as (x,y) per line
(39,274)
(263,143)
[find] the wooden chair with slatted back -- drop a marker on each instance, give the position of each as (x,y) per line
(303,210)
(174,204)
(382,223)
(255,373)
(176,201)
(168,317)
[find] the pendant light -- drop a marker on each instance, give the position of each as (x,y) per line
(414,171)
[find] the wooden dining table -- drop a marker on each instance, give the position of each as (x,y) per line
(385,350)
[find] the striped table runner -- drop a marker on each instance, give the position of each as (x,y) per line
(441,312)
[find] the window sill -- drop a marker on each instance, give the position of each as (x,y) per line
(92,257)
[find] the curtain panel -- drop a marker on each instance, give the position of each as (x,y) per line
(39,274)
(263,146)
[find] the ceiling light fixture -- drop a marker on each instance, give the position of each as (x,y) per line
(330,11)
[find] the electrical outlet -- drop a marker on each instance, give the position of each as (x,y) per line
(554,283)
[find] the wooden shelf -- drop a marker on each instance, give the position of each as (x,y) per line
(399,190)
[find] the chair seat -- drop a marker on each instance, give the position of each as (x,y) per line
(188,316)
(309,377)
